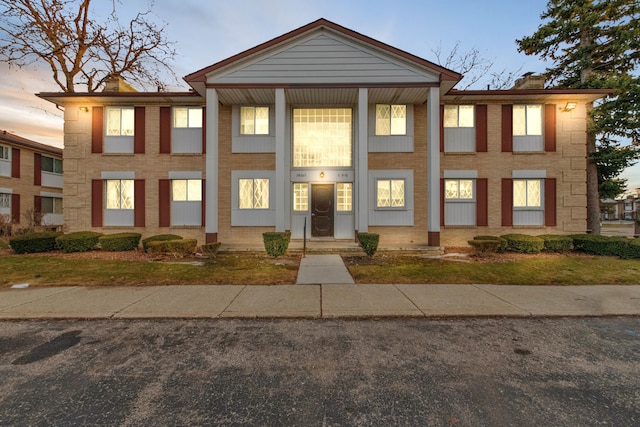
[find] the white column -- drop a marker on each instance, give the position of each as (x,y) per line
(211,163)
(433,165)
(362,163)
(282,183)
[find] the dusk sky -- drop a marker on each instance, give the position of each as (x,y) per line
(206,32)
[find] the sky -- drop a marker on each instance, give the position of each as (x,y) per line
(206,32)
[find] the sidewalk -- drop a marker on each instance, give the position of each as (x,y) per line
(323,291)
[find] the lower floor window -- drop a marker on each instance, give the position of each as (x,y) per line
(253,193)
(526,193)
(186,190)
(51,205)
(345,197)
(119,193)
(5,201)
(458,189)
(390,193)
(300,197)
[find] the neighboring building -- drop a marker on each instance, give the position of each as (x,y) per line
(30,183)
(331,127)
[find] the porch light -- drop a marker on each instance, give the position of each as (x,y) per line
(84,109)
(570,106)
(322,174)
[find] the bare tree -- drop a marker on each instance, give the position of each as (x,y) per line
(80,50)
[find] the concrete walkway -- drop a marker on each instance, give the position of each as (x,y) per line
(319,269)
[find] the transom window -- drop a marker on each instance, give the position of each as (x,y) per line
(458,189)
(300,197)
(5,201)
(526,193)
(391,119)
(390,193)
(4,152)
(187,117)
(120,121)
(254,193)
(186,190)
(459,116)
(322,137)
(119,193)
(49,164)
(51,205)
(527,120)
(254,120)
(345,197)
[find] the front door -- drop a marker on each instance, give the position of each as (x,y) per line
(322,210)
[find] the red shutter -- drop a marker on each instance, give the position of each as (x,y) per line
(37,169)
(96,202)
(204,204)
(138,130)
(482,202)
(164,198)
(37,204)
(15,162)
(550,202)
(204,130)
(442,202)
(165,129)
(441,128)
(481,128)
(550,127)
(507,202)
(138,203)
(507,128)
(97,129)
(15,208)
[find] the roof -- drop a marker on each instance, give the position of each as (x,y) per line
(92,98)
(10,138)
(532,95)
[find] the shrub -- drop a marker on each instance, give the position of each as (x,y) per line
(210,249)
(179,248)
(120,242)
(503,243)
(276,242)
(633,249)
(80,241)
(556,243)
(158,238)
(34,242)
(600,245)
(369,242)
(484,247)
(523,243)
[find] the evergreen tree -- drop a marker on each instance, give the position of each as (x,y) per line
(593,44)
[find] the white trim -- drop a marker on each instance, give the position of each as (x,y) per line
(433,160)
(211,162)
(46,194)
(460,174)
(118,175)
(6,190)
(281,179)
(528,174)
(185,174)
(361,192)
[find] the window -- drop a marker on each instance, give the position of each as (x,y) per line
(458,189)
(459,116)
(51,205)
(345,197)
(5,201)
(253,193)
(49,164)
(254,120)
(527,193)
(119,193)
(527,120)
(186,190)
(300,197)
(187,117)
(4,152)
(120,121)
(391,119)
(390,193)
(322,137)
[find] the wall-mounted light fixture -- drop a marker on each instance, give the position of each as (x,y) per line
(322,174)
(84,109)
(570,106)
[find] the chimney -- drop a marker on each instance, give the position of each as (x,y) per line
(115,83)
(530,81)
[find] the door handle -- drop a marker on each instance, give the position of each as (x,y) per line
(313,214)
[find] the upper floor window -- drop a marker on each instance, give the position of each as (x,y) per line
(120,121)
(120,193)
(186,190)
(254,120)
(345,197)
(322,137)
(459,116)
(187,117)
(527,193)
(458,189)
(253,193)
(390,193)
(527,120)
(50,164)
(391,119)
(4,152)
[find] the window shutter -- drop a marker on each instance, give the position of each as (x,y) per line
(96,202)
(37,169)
(15,162)
(507,128)
(15,208)
(442,128)
(550,202)
(482,202)
(204,204)
(204,130)
(164,198)
(138,130)
(138,203)
(481,128)
(442,202)
(507,202)
(97,129)
(550,127)
(165,130)
(37,204)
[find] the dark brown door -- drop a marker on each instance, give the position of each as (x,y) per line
(322,210)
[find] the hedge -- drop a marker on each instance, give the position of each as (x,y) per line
(178,248)
(276,242)
(34,242)
(503,243)
(556,243)
(79,241)
(523,243)
(120,242)
(159,238)
(210,249)
(483,247)
(369,242)
(600,245)
(633,249)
